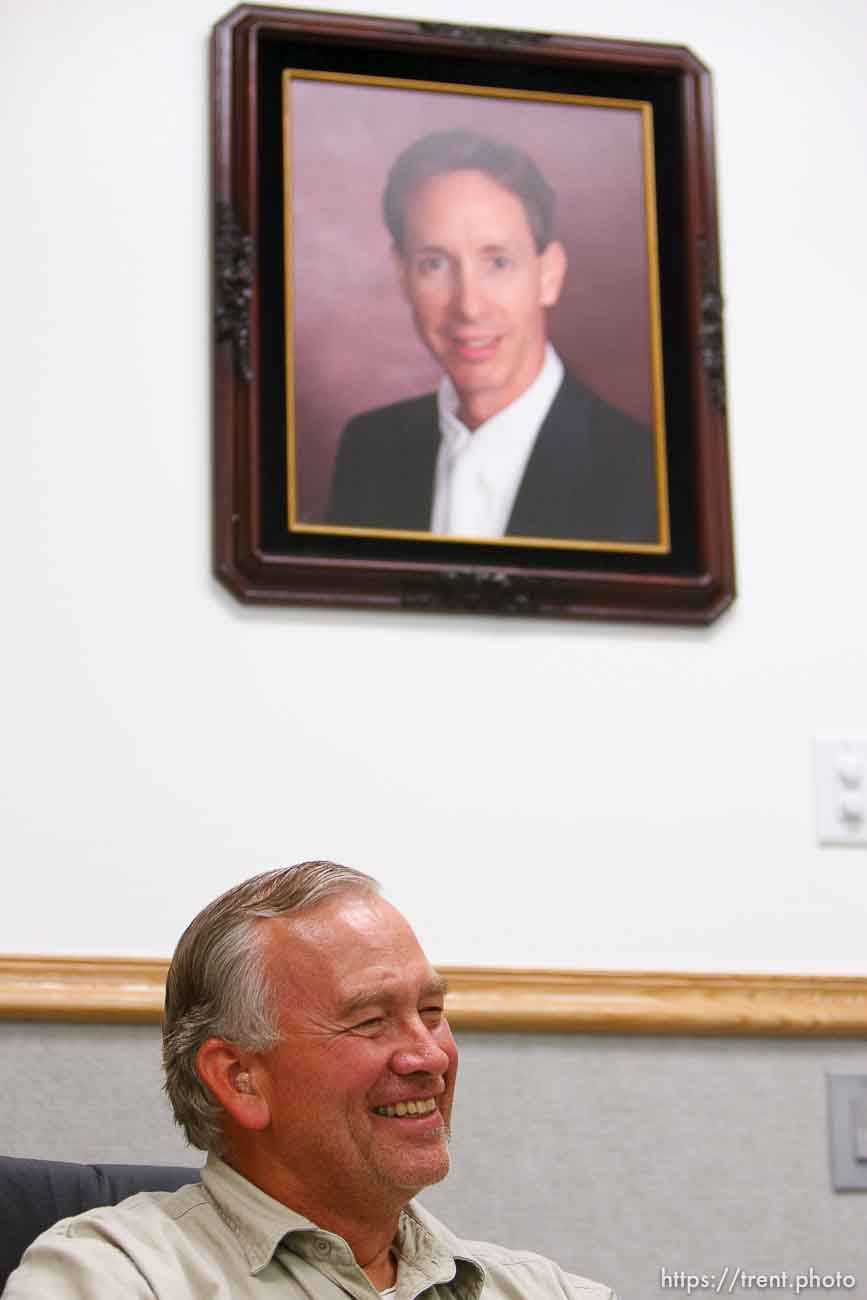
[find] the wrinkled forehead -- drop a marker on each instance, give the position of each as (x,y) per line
(342,949)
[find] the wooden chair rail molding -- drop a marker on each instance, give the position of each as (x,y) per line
(131,990)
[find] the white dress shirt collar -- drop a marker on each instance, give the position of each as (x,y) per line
(478,473)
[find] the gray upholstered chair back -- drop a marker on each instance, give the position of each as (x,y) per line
(36,1193)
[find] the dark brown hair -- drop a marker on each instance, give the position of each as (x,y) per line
(450,151)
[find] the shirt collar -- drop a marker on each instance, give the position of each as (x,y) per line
(513,420)
(258,1221)
(425,1237)
(428,1249)
(478,475)
(260,1224)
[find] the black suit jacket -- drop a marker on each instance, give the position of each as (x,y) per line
(591,475)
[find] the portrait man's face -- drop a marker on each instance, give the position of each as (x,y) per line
(478,288)
(363,1032)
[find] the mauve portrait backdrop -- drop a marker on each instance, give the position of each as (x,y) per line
(354,344)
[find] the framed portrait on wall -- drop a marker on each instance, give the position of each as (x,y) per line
(469,327)
(385,325)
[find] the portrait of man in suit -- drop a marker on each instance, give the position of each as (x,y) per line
(511,444)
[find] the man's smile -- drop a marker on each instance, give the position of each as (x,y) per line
(402,1108)
(476,347)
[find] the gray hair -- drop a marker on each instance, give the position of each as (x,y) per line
(217,985)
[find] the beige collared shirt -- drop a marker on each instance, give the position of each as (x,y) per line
(224,1239)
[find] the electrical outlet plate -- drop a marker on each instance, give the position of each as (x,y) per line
(847,1118)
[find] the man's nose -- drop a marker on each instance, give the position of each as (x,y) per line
(467,294)
(419,1052)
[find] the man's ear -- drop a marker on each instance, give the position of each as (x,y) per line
(552,270)
(232,1078)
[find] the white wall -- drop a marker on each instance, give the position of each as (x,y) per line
(533,793)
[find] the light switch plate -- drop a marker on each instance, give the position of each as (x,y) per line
(847,1100)
(841,788)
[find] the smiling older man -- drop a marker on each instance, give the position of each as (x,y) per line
(306,1049)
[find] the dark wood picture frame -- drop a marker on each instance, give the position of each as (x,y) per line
(257,554)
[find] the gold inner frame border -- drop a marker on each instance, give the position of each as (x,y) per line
(663,545)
